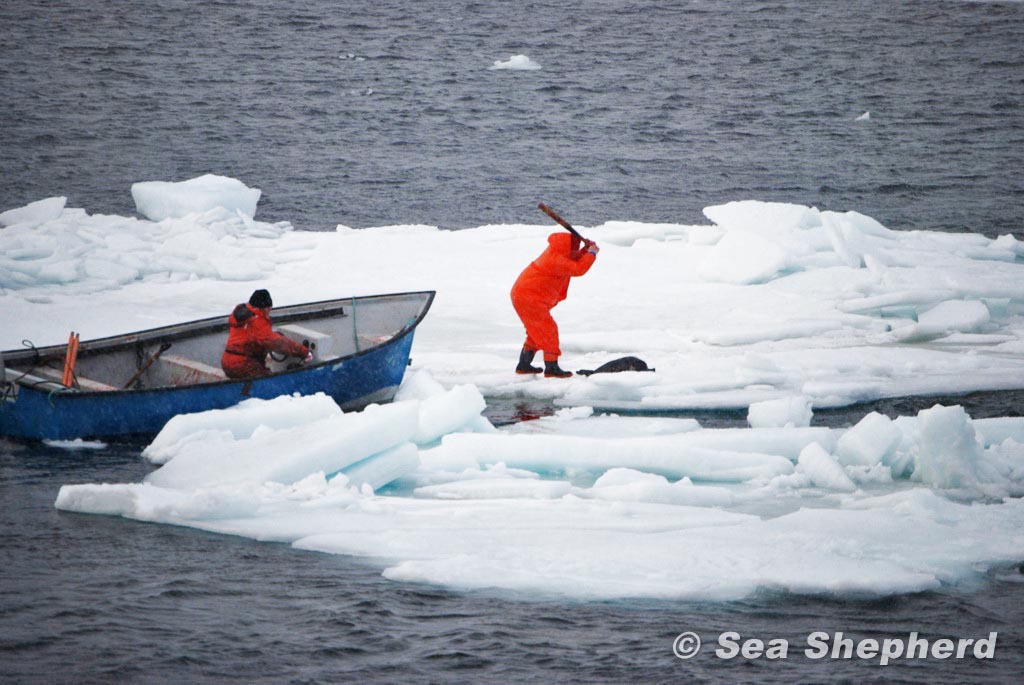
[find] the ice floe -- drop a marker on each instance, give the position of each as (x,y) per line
(772,310)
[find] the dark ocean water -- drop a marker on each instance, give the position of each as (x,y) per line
(371,113)
(385,112)
(94,599)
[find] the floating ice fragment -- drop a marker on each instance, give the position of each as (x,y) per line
(955,315)
(159,200)
(786,412)
(34,213)
(742,257)
(757,216)
(76,444)
(516,63)
(864,117)
(380,469)
(497,488)
(870,442)
(951,316)
(628,485)
(673,456)
(948,450)
(823,470)
(237,423)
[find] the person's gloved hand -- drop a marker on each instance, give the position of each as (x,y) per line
(592,247)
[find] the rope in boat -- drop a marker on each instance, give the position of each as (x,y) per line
(355,335)
(10,386)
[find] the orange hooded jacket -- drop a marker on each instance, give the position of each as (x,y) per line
(250,337)
(545,283)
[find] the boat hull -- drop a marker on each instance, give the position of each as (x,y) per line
(369,376)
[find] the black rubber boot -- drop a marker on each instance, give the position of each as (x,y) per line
(552,370)
(525,357)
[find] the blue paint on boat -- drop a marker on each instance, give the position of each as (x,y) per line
(48,411)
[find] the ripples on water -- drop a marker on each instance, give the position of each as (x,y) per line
(386,112)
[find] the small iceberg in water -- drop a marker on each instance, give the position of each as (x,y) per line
(516,63)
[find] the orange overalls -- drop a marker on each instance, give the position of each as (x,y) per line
(542,285)
(250,337)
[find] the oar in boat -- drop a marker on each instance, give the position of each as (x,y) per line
(70,358)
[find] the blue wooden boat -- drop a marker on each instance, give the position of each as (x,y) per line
(133,384)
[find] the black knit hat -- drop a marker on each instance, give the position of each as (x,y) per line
(261,299)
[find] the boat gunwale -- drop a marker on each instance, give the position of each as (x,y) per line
(172,332)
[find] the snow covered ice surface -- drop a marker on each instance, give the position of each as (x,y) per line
(774,310)
(593,506)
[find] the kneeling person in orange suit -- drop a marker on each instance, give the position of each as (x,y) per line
(542,285)
(251,336)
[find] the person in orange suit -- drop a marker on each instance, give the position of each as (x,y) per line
(251,336)
(542,285)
